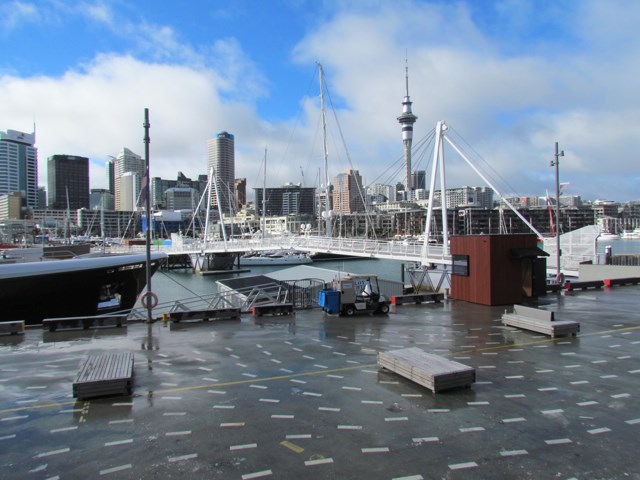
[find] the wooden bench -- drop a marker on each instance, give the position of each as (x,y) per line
(205,315)
(104,375)
(84,323)
(272,309)
(417,298)
(541,321)
(431,371)
(15,327)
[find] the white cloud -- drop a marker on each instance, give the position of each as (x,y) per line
(14,14)
(510,105)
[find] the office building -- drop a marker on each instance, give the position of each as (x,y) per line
(221,160)
(348,194)
(68,182)
(19,165)
(289,199)
(419,180)
(101,198)
(128,162)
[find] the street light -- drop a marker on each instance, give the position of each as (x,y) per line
(556,163)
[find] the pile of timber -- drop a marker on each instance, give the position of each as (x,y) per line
(541,321)
(431,371)
(104,375)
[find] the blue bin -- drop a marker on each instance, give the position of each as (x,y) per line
(329,300)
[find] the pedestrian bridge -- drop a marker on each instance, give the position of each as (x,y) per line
(409,251)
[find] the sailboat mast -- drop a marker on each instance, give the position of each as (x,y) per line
(327,213)
(264,197)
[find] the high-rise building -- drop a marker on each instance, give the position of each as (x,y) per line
(19,165)
(68,182)
(111,176)
(221,158)
(419,180)
(348,193)
(240,192)
(128,162)
(287,200)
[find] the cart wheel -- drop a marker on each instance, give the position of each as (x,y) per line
(349,311)
(384,308)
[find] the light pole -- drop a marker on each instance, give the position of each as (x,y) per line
(556,163)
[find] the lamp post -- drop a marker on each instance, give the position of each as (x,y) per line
(556,163)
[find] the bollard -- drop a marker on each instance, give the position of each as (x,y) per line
(165,319)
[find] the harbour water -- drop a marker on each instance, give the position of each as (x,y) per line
(175,285)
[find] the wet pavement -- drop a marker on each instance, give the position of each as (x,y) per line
(302,397)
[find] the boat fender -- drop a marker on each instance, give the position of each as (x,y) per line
(152,296)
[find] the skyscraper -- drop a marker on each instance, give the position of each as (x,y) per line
(221,157)
(128,162)
(68,182)
(348,193)
(19,165)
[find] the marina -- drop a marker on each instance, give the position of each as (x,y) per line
(303,395)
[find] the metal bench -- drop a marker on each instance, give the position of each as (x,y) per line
(272,309)
(541,321)
(84,322)
(431,371)
(417,298)
(205,315)
(15,327)
(104,375)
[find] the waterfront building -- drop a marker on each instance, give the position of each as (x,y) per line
(221,158)
(19,165)
(181,198)
(128,162)
(100,198)
(290,199)
(68,182)
(348,193)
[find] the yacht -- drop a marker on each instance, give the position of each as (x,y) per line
(75,287)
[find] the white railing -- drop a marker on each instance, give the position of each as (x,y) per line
(395,250)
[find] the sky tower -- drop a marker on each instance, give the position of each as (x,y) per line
(407,119)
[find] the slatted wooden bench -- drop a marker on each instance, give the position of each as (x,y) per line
(417,298)
(15,327)
(104,375)
(272,309)
(431,371)
(84,323)
(205,315)
(541,321)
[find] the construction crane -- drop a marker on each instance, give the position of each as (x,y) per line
(302,173)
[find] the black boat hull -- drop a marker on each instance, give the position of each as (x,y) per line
(94,290)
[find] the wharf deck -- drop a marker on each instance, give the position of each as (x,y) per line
(104,375)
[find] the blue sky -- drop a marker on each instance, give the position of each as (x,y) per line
(510,77)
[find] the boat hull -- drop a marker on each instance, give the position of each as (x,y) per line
(72,288)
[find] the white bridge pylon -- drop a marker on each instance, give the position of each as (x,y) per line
(438,171)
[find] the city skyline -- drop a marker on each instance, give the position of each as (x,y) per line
(511,78)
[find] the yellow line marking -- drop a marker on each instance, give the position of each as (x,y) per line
(292,446)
